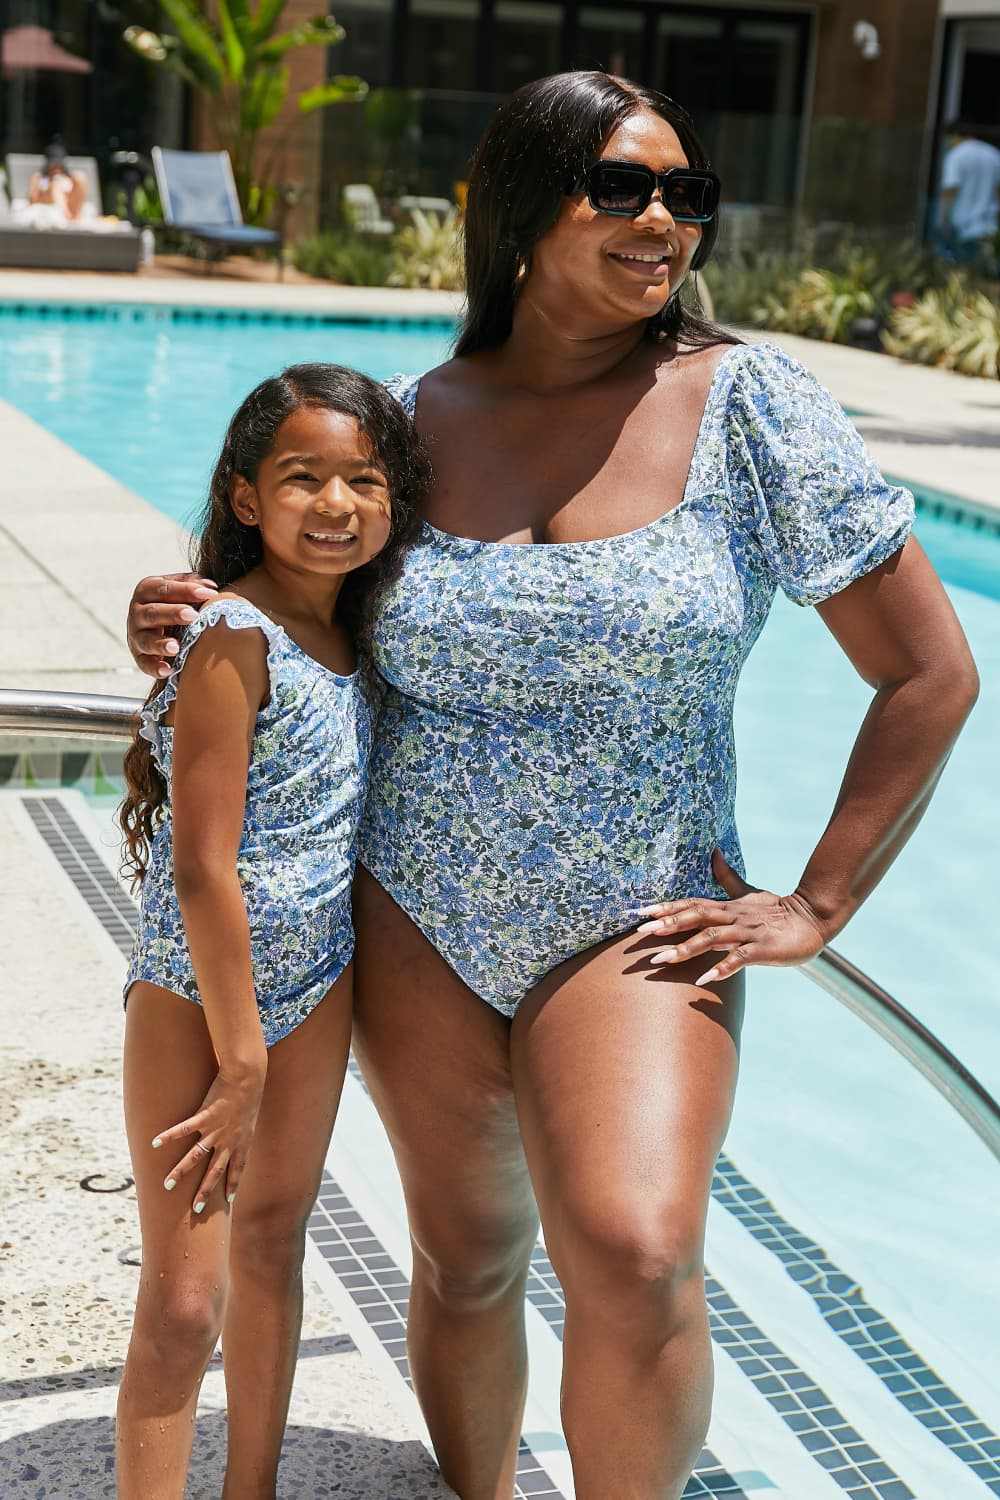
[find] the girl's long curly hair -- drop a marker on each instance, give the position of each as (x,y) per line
(225,550)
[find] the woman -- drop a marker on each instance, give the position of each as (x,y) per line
(56,186)
(619,489)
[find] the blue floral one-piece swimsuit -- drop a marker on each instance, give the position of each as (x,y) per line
(555,743)
(305,793)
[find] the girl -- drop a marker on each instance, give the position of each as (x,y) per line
(245,787)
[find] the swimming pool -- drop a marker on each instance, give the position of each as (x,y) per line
(830,1125)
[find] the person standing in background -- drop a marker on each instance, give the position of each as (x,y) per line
(969,212)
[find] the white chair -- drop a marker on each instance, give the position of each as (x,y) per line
(426,204)
(362,209)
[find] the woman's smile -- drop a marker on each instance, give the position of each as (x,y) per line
(652,264)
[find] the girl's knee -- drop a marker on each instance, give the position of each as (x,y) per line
(179,1323)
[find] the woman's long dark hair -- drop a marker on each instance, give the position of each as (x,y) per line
(543,137)
(224,549)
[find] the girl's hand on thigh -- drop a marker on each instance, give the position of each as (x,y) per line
(160,605)
(224,1126)
(752,927)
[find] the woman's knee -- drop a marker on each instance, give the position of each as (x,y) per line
(632,1263)
(471,1262)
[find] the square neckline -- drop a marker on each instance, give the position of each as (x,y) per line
(617,536)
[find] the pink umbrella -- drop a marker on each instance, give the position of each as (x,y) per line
(32,48)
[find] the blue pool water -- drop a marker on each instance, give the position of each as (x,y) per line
(147,398)
(848,1139)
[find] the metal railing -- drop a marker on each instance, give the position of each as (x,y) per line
(90,715)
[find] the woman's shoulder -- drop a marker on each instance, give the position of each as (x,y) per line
(452,372)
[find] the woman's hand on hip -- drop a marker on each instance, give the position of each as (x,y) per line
(224,1126)
(752,927)
(160,605)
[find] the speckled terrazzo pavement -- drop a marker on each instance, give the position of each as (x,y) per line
(69,1236)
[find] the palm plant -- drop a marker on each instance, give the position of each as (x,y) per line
(235,57)
(428,253)
(956,327)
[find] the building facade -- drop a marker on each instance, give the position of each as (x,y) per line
(830,111)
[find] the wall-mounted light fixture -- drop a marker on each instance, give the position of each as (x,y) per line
(866,40)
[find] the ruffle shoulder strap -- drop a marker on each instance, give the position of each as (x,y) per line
(238,614)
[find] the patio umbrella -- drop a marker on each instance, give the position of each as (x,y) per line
(33,49)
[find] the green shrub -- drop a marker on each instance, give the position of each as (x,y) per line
(351,259)
(956,327)
(823,304)
(738,284)
(821,295)
(428,253)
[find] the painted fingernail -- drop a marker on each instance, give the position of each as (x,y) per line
(187,615)
(648,927)
(171,648)
(199,1205)
(648,911)
(707,977)
(157,1142)
(163,671)
(170,1183)
(205,593)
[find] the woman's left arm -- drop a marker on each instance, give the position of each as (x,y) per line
(897,626)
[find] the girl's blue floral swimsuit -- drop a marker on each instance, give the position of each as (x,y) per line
(305,792)
(555,747)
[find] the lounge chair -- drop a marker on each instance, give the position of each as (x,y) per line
(198,196)
(362,209)
(75,247)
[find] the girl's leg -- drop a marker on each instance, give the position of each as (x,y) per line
(260,1340)
(169,1067)
(436,1059)
(625,1078)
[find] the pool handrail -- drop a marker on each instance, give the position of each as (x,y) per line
(95,715)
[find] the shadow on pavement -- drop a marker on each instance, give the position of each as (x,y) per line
(74,1460)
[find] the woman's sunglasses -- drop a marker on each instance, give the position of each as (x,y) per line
(689,194)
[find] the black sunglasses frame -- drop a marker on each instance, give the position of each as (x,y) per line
(589,180)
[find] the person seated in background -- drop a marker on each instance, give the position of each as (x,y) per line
(969,213)
(56,186)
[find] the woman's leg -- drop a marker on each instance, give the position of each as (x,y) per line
(625,1078)
(169,1066)
(436,1059)
(260,1340)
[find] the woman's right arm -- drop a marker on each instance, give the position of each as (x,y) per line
(161,604)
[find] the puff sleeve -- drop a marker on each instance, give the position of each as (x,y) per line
(802,482)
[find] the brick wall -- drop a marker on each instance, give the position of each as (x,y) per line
(868,126)
(294,142)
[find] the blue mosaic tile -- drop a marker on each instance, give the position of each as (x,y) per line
(381,1294)
(862,1328)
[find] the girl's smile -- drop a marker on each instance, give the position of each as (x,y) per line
(320,501)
